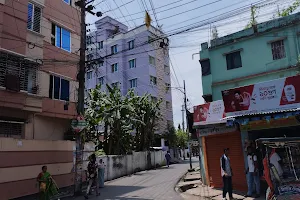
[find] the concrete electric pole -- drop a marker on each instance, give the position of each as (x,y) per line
(84,7)
(187,124)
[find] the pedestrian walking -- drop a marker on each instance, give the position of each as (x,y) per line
(252,173)
(168,158)
(226,173)
(92,175)
(101,173)
(47,185)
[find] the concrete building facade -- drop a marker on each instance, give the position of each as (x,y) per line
(265,52)
(133,59)
(39,43)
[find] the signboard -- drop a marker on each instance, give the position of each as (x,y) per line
(209,113)
(276,95)
(78,124)
(216,130)
(268,124)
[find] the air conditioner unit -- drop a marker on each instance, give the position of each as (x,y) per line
(12,82)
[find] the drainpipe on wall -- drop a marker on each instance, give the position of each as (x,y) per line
(33,126)
(297,45)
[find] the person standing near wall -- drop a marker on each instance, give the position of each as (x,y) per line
(252,173)
(101,170)
(226,173)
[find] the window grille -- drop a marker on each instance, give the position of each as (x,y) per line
(26,71)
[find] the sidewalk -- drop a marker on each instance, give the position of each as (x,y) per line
(192,188)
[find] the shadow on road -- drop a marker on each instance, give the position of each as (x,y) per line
(114,192)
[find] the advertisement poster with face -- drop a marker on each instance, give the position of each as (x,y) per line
(209,112)
(274,95)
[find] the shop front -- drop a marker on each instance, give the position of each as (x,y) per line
(266,110)
(216,135)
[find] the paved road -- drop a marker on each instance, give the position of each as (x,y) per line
(148,185)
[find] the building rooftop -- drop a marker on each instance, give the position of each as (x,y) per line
(254,31)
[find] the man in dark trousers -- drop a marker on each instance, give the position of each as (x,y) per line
(226,173)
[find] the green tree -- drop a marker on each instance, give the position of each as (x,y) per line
(289,10)
(181,139)
(254,15)
(121,116)
(170,135)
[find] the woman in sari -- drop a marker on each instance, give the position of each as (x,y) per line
(47,186)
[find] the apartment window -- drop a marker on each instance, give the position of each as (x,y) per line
(116,84)
(88,40)
(166,69)
(205,67)
(17,74)
(168,105)
(151,60)
(114,67)
(101,64)
(278,51)
(12,128)
(153,80)
(168,86)
(132,63)
(34,18)
(133,83)
(61,38)
(100,45)
(89,57)
(233,60)
(59,88)
(131,44)
(114,49)
(68,1)
(89,75)
(101,80)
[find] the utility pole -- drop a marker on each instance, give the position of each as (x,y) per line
(80,103)
(84,7)
(186,113)
(183,123)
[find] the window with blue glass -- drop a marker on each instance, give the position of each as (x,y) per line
(133,83)
(34,18)
(59,88)
(114,49)
(101,80)
(61,38)
(68,1)
(132,63)
(131,44)
(89,75)
(114,67)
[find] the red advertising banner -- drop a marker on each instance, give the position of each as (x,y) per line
(209,113)
(275,95)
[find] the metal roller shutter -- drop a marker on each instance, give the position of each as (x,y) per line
(214,147)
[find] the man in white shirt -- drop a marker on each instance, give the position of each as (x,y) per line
(276,160)
(252,173)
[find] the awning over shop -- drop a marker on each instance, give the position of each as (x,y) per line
(209,113)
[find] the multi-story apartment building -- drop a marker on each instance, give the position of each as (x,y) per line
(39,43)
(251,71)
(133,59)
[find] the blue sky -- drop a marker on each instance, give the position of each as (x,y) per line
(174,15)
